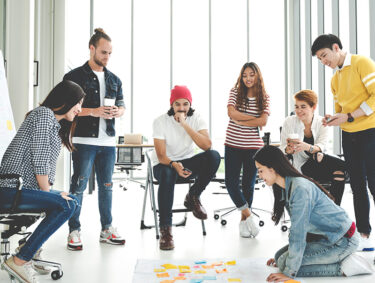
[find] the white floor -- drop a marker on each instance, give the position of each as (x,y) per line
(106,263)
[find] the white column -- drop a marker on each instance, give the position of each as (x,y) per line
(20,56)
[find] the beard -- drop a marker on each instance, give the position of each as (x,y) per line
(98,62)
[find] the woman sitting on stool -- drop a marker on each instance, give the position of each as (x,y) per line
(304,137)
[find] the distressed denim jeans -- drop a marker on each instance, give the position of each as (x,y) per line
(103,157)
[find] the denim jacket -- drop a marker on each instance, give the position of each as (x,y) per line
(88,126)
(311,211)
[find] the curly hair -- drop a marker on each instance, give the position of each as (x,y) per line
(260,91)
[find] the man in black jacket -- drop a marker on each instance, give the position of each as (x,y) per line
(94,137)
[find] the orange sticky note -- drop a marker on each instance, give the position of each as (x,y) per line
(167,281)
(217,263)
(207,266)
(162,275)
(180,278)
(292,281)
(224,270)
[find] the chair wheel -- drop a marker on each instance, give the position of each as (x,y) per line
(261,223)
(284,228)
(223,222)
(216,216)
(57,274)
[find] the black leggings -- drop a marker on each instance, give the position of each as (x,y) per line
(323,171)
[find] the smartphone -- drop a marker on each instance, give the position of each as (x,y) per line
(330,119)
(187,170)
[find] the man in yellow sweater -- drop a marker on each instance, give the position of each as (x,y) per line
(353,88)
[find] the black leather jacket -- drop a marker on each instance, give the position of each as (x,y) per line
(88,126)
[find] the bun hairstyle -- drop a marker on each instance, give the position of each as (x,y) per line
(98,34)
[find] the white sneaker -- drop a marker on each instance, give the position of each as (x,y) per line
(253,228)
(244,231)
(111,236)
(74,241)
(41,269)
(23,273)
(365,245)
(355,265)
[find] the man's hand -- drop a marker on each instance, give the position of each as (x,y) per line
(117,112)
(299,145)
(180,169)
(102,112)
(180,117)
(277,277)
(271,262)
(335,120)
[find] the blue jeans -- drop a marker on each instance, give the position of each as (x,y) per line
(359,153)
(321,259)
(203,166)
(58,211)
(235,160)
(83,159)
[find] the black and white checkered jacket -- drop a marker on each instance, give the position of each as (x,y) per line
(34,150)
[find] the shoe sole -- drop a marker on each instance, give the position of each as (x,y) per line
(13,273)
(367,250)
(41,270)
(75,248)
(112,243)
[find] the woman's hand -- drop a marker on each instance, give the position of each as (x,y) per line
(301,146)
(65,195)
(271,262)
(277,277)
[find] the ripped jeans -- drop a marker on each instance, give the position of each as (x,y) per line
(84,157)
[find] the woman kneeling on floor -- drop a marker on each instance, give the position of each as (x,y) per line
(322,238)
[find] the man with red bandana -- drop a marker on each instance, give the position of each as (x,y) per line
(176,133)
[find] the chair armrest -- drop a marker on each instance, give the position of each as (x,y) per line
(19,189)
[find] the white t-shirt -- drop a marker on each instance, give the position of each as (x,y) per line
(103,139)
(179,145)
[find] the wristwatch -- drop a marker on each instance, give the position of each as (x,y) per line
(311,149)
(350,118)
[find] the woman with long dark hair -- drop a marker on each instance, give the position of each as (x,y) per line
(322,238)
(248,110)
(33,154)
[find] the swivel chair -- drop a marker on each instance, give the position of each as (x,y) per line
(149,188)
(15,221)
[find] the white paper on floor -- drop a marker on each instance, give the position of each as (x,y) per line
(245,269)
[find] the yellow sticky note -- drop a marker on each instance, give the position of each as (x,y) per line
(234,280)
(184,267)
(162,275)
(159,270)
(184,270)
(292,281)
(169,266)
(9,125)
(200,271)
(233,262)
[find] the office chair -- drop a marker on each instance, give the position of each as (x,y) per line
(149,187)
(14,221)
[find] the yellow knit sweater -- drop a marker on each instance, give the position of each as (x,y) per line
(351,86)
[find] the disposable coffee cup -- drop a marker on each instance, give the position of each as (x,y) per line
(293,137)
(109,102)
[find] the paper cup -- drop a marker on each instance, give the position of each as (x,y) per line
(109,101)
(293,137)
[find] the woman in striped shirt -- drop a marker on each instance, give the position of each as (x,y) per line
(248,109)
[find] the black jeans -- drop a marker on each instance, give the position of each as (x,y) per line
(359,152)
(203,166)
(323,171)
